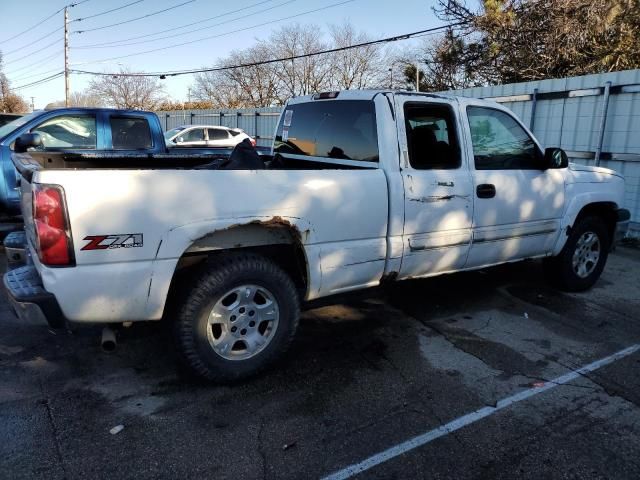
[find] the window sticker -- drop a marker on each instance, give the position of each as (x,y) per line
(285,134)
(288,116)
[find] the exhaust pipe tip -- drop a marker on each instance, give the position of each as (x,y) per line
(108,341)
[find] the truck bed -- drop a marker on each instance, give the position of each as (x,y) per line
(119,160)
(174,158)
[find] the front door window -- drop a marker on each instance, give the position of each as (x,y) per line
(68,131)
(500,143)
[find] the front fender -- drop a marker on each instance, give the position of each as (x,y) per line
(575,206)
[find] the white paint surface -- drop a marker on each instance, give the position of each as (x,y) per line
(354,225)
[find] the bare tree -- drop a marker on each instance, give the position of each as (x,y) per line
(304,75)
(79,99)
(86,98)
(255,83)
(215,88)
(134,92)
(354,68)
(446,64)
(10,102)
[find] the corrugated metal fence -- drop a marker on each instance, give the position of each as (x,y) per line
(595,118)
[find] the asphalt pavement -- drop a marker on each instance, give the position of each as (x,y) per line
(383,383)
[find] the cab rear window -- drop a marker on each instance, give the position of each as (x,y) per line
(337,129)
(130,133)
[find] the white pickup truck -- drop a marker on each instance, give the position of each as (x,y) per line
(364,187)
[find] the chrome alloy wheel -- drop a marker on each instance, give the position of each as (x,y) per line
(586,254)
(243,322)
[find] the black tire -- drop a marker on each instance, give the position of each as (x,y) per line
(219,277)
(560,270)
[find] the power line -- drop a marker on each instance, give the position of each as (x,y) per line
(47,35)
(34,73)
(39,82)
(30,55)
(106,11)
(77,3)
(201,28)
(43,20)
(134,19)
(37,62)
(217,36)
(112,43)
(33,26)
(118,43)
(176,73)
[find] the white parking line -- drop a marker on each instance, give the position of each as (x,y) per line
(473,417)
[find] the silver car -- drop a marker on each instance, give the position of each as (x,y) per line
(205,136)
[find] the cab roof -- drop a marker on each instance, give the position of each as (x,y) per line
(371,94)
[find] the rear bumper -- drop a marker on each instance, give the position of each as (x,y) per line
(622,225)
(30,301)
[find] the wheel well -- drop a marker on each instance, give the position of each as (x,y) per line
(279,243)
(604,210)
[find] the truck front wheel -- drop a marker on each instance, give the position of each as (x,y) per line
(238,318)
(581,261)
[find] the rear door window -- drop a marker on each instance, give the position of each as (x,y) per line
(340,129)
(431,137)
(218,134)
(68,131)
(130,133)
(193,135)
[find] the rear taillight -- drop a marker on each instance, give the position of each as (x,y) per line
(53,236)
(253,141)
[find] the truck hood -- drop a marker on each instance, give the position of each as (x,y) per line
(585,173)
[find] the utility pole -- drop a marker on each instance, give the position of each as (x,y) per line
(66,57)
(417,77)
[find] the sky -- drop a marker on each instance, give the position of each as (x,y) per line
(33,47)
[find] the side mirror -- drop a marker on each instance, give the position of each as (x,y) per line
(27,140)
(555,158)
(179,140)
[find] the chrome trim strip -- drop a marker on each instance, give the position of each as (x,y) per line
(422,248)
(509,237)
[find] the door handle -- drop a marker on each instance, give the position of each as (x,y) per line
(486,190)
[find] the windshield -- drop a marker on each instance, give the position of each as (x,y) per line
(172,132)
(18,122)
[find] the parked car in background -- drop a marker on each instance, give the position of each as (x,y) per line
(205,136)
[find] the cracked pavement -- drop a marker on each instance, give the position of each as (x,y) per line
(366,371)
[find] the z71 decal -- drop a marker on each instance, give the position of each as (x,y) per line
(103,242)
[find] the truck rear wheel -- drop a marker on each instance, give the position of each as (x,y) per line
(581,261)
(239,317)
